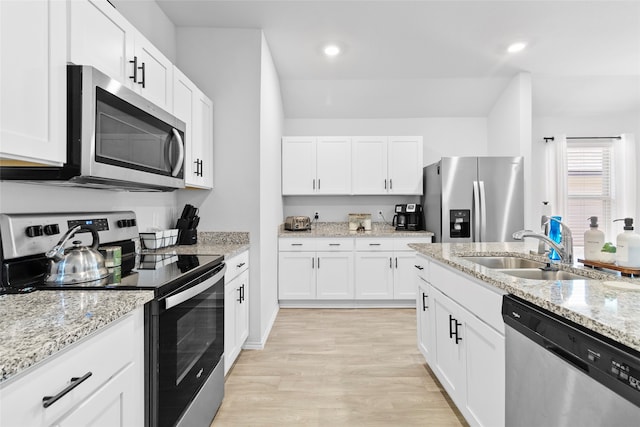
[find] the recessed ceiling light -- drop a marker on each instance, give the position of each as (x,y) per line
(331,50)
(516,47)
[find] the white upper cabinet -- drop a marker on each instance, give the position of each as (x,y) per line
(100,36)
(387,165)
(333,165)
(193,107)
(33,81)
(369,166)
(404,164)
(298,165)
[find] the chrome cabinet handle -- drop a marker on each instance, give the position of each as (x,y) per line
(75,382)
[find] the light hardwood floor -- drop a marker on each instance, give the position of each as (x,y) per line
(337,367)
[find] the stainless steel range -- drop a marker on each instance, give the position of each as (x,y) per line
(184,323)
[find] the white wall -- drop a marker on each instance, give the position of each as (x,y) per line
(153,210)
(509,133)
(271,119)
(442,136)
(151,21)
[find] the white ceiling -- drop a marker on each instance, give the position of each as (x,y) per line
(438,58)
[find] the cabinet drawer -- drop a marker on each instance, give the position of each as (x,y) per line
(297,244)
(422,267)
(374,244)
(473,295)
(103,354)
(236,265)
(400,243)
(334,244)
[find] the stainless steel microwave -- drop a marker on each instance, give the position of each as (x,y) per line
(115,139)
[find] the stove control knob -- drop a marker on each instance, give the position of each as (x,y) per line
(122,223)
(51,229)
(132,222)
(34,230)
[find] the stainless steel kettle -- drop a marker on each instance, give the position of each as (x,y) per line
(76,264)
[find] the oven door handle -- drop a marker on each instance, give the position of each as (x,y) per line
(185,295)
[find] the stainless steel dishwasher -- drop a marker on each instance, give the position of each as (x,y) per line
(562,374)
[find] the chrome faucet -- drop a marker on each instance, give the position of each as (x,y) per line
(565,249)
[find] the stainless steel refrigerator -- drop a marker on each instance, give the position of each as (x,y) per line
(474,199)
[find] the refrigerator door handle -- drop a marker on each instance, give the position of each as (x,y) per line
(483,213)
(475,221)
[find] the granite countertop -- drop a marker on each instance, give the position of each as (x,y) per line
(592,302)
(341,229)
(224,243)
(38,324)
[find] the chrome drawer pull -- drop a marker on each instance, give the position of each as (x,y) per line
(75,382)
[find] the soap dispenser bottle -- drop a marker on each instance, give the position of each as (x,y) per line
(628,246)
(593,240)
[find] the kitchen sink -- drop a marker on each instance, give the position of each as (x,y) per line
(538,274)
(505,262)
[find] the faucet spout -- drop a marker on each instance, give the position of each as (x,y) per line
(565,251)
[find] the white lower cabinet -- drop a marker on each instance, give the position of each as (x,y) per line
(464,350)
(236,307)
(312,269)
(108,370)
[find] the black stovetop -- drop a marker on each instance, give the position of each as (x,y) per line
(160,273)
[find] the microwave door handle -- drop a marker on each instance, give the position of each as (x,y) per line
(186,295)
(178,165)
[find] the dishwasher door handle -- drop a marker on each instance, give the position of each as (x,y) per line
(567,356)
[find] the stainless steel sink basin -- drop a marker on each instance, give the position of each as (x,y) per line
(537,274)
(501,262)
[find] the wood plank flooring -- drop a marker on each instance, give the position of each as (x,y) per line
(337,367)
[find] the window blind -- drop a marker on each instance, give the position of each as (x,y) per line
(590,186)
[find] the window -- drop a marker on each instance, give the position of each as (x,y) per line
(590,187)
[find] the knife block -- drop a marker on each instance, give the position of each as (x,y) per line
(188,236)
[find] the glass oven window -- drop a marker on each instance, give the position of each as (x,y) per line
(127,136)
(191,344)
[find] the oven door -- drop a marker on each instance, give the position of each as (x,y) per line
(186,345)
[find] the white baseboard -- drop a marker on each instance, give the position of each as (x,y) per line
(259,345)
(347,303)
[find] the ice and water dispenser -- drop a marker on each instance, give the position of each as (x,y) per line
(460,223)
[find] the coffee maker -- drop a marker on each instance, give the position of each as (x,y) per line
(408,217)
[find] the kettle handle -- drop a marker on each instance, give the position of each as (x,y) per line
(57,252)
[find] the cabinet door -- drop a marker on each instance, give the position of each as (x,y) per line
(184,103)
(334,275)
(231,296)
(110,406)
(374,275)
(405,164)
(333,163)
(100,36)
(296,275)
(447,357)
(404,275)
(154,75)
(369,165)
(205,126)
(423,311)
(298,165)
(242,311)
(33,81)
(485,372)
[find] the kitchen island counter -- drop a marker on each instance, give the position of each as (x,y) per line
(341,229)
(38,324)
(591,303)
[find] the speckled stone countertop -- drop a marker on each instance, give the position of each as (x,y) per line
(341,229)
(227,243)
(38,324)
(591,302)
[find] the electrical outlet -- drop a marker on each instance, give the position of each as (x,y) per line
(379,214)
(316,216)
